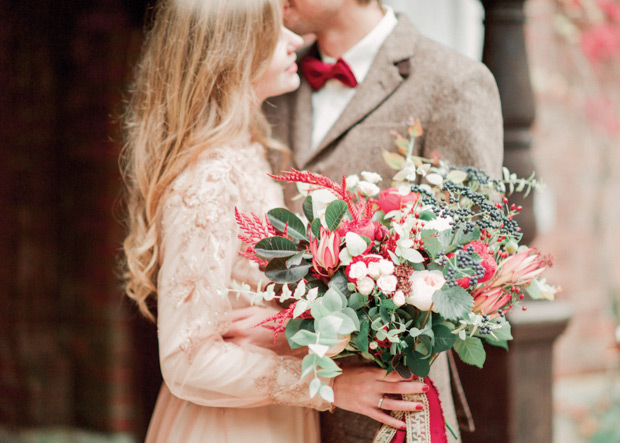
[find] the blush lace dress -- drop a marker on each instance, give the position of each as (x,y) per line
(216,391)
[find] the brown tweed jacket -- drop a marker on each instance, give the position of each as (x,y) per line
(457,102)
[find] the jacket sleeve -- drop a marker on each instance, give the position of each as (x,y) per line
(466,125)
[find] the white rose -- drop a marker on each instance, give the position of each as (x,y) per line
(387,283)
(358,270)
(373,345)
(368,189)
(386,267)
(423,286)
(374,270)
(371,177)
(399,298)
(352,181)
(365,285)
(439,224)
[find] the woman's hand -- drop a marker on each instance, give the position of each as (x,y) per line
(360,388)
(245,332)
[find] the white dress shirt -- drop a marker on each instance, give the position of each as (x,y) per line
(331,100)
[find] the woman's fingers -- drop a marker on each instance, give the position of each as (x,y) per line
(405,387)
(391,404)
(386,419)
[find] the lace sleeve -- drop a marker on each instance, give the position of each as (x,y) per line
(198,249)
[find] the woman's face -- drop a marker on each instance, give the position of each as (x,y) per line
(281,74)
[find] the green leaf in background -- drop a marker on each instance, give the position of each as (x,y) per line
(418,364)
(432,246)
(453,303)
(275,247)
(499,343)
(307,208)
(361,341)
(316,228)
(503,333)
(444,338)
(278,272)
(462,238)
(340,282)
(388,304)
(334,213)
(357,300)
(471,351)
(353,316)
(295,260)
(279,217)
(394,160)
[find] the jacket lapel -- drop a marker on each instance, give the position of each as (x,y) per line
(383,78)
(301,123)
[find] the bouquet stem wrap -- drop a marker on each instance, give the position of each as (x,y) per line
(426,426)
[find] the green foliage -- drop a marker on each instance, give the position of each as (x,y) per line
(275,247)
(470,351)
(334,213)
(307,208)
(278,272)
(453,303)
(283,219)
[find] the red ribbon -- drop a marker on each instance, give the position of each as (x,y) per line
(435,412)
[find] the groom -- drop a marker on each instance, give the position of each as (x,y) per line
(369,72)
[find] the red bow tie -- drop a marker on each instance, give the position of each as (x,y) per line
(317,72)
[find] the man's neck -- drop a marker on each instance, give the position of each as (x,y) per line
(348,28)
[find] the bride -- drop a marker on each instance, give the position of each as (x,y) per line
(195,151)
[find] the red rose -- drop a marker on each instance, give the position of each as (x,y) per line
(366,228)
(390,200)
(488,263)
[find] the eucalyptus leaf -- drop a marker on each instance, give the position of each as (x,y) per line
(327,393)
(334,213)
(470,351)
(282,219)
(332,301)
(315,385)
(304,337)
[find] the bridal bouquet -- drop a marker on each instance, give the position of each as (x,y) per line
(395,276)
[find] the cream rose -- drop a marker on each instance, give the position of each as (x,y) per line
(365,285)
(399,298)
(358,270)
(423,286)
(387,283)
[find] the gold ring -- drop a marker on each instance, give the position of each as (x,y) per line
(380,402)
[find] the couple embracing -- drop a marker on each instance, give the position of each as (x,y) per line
(198,146)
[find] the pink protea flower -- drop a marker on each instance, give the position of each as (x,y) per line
(516,270)
(325,253)
(520,269)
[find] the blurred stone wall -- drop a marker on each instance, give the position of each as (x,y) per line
(577,154)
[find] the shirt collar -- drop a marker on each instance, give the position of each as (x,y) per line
(360,57)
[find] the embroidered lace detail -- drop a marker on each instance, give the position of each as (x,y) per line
(285,387)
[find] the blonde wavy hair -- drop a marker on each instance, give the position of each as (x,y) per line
(193,89)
